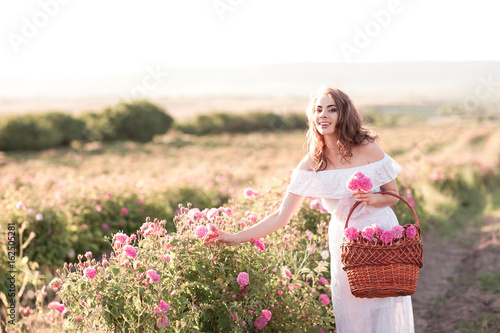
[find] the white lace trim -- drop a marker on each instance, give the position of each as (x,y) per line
(331,184)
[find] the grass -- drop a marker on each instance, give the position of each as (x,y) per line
(490,281)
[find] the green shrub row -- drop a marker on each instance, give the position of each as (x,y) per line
(137,121)
(79,225)
(220,122)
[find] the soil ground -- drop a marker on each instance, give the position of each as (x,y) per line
(450,296)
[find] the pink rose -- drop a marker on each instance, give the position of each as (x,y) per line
(323,298)
(359,181)
(314,204)
(213,212)
(90,272)
(121,237)
(398,230)
(266,314)
(130,251)
(411,232)
(153,276)
(285,272)
(243,279)
(260,323)
(322,281)
(258,244)
(162,322)
(212,229)
(368,233)
(57,306)
(124,211)
(387,236)
(351,233)
(378,231)
(200,231)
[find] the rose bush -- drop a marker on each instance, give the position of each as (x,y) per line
(276,285)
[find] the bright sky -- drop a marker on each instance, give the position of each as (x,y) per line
(59,37)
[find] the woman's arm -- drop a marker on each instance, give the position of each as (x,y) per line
(377,199)
(290,204)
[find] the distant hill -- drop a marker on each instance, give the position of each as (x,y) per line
(388,83)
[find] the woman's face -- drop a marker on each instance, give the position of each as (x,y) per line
(325,115)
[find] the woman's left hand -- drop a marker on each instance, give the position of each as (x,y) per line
(363,196)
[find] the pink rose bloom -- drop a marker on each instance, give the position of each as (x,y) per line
(98,208)
(325,254)
(57,306)
(398,230)
(20,205)
(213,212)
(266,314)
(243,279)
(285,272)
(351,233)
(368,233)
(105,226)
(290,287)
(39,217)
(162,322)
(322,209)
(279,292)
(195,214)
(166,258)
(88,255)
(359,181)
(90,272)
(212,229)
(164,306)
(248,192)
(365,184)
(200,231)
(153,276)
(314,204)
(258,244)
(124,211)
(321,330)
(387,236)
(252,218)
(323,298)
(79,319)
(378,231)
(228,211)
(309,234)
(130,251)
(411,232)
(260,323)
(322,281)
(121,237)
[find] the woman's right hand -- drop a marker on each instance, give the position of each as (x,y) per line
(222,238)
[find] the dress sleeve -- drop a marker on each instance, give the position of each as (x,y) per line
(387,172)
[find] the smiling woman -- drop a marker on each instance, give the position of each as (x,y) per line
(339,147)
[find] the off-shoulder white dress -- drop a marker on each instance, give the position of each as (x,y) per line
(352,314)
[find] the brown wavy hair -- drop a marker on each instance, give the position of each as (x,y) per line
(349,128)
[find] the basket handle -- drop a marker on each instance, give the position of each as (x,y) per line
(389,193)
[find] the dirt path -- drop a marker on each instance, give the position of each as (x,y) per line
(449,295)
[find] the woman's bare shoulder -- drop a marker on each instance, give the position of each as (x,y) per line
(306,164)
(371,151)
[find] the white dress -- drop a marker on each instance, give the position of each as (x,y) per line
(352,314)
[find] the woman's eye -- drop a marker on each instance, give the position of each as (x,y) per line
(332,110)
(318,110)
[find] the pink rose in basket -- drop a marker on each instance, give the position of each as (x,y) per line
(378,230)
(387,236)
(368,233)
(359,181)
(398,231)
(351,233)
(411,232)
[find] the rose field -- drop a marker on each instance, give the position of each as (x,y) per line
(109,236)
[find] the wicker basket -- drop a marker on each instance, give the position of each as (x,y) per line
(376,269)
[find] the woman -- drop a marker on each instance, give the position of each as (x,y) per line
(339,147)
